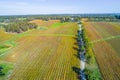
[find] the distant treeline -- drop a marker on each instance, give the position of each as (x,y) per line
(61,17)
(19,27)
(106,19)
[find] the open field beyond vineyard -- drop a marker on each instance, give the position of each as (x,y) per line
(105,37)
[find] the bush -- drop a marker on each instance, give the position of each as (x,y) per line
(1,73)
(92,74)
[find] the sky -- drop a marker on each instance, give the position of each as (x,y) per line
(25,7)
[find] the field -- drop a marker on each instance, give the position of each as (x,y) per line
(5,36)
(105,37)
(47,54)
(45,23)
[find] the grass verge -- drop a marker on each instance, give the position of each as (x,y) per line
(92,71)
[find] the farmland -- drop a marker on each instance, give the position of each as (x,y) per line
(43,54)
(5,36)
(105,39)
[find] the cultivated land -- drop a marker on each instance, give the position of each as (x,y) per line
(105,38)
(4,35)
(43,53)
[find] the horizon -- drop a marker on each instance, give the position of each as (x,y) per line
(61,14)
(46,7)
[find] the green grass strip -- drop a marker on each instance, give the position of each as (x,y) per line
(59,35)
(105,39)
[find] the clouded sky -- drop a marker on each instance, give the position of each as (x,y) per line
(23,7)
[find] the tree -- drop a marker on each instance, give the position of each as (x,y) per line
(19,27)
(1,72)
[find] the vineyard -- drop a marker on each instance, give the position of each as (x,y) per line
(44,54)
(106,50)
(5,36)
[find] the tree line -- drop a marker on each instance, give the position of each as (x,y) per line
(19,27)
